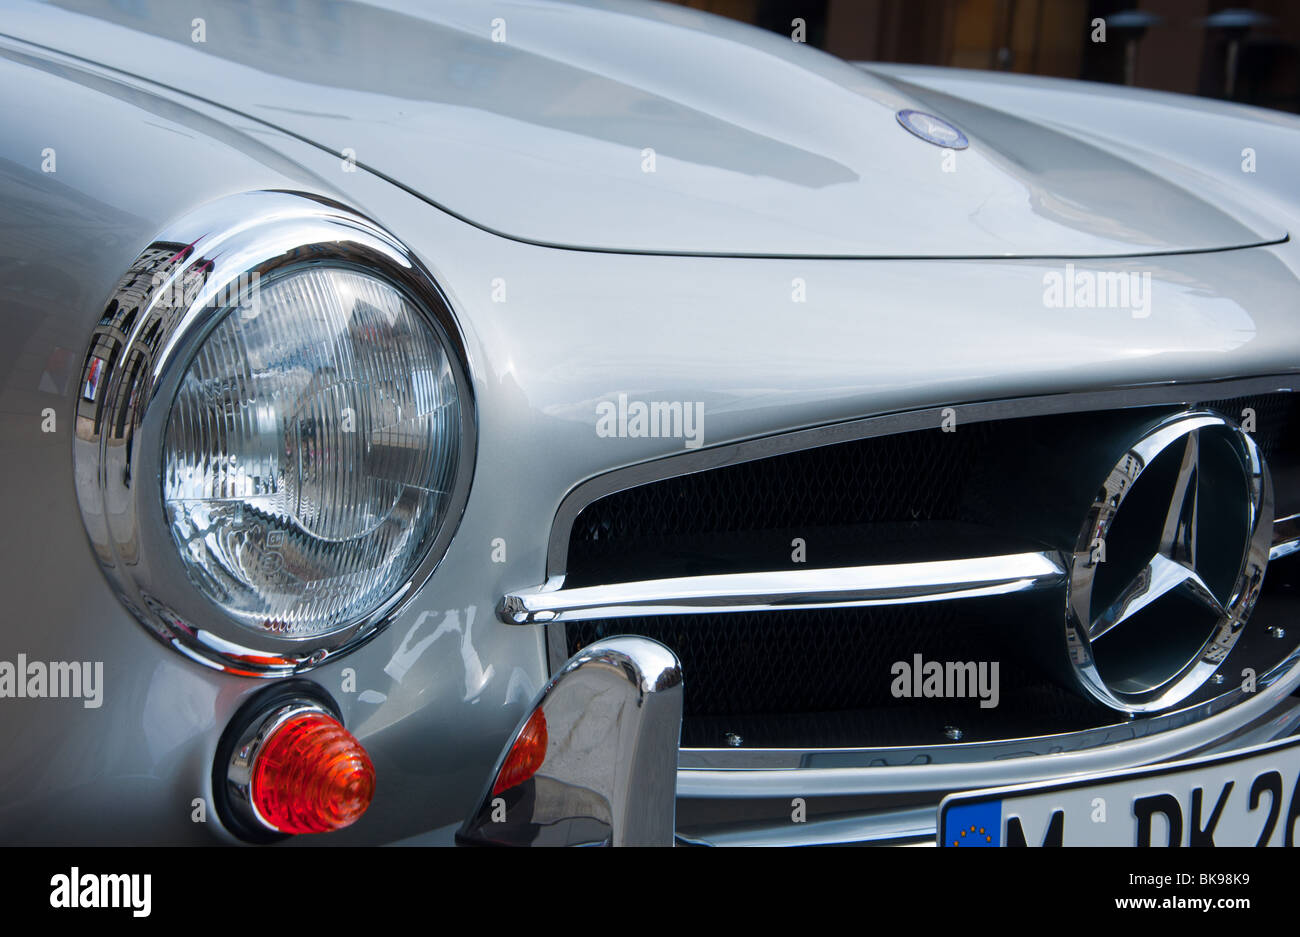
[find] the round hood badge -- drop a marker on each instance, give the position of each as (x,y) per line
(932,130)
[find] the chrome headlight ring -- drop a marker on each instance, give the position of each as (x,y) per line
(171,300)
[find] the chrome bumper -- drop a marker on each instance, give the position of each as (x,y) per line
(612,718)
(594,761)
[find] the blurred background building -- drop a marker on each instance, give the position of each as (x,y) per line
(1244,51)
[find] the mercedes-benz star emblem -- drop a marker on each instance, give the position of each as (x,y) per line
(1169,563)
(932,129)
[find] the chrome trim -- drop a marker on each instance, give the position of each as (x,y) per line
(844,587)
(700,460)
(967,766)
(125,401)
(1286,537)
(891,826)
(613,717)
(239,769)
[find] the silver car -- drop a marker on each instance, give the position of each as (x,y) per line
(601,422)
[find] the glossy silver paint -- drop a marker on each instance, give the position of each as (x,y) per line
(760,145)
(440,690)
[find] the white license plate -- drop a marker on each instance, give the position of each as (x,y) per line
(1248,798)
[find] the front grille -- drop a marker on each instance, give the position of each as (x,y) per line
(822,678)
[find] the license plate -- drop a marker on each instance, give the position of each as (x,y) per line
(1247,798)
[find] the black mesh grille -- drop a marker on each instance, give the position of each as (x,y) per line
(1277,433)
(745,516)
(823,677)
(1275,422)
(901,478)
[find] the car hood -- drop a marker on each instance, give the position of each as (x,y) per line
(652,128)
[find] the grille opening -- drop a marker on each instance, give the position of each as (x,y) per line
(826,677)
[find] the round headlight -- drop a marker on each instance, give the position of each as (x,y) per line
(310,452)
(275,432)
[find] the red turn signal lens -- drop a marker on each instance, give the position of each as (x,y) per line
(311,776)
(526,755)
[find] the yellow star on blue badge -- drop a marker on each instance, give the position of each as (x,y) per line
(975,824)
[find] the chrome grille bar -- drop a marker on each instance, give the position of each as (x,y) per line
(1286,537)
(844,587)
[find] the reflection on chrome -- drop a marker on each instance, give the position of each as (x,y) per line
(843,587)
(610,725)
(1286,537)
(1124,652)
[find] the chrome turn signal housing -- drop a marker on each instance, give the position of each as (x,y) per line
(287,766)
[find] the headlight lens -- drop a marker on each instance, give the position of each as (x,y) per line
(311,451)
